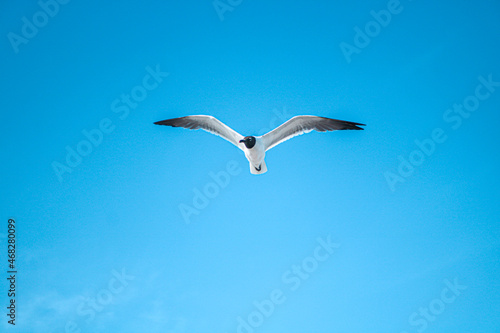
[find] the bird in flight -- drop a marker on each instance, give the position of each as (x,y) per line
(255,147)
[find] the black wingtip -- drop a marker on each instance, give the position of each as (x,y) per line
(337,124)
(168,122)
(353,126)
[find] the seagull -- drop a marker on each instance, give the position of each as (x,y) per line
(255,147)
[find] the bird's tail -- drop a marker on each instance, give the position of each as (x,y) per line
(263,169)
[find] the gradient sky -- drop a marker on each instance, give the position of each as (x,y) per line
(409,207)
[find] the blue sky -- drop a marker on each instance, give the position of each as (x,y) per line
(391,229)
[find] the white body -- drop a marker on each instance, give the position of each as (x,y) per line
(256,156)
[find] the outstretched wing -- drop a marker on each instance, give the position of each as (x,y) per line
(207,123)
(304,124)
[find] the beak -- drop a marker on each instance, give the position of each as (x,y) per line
(242,141)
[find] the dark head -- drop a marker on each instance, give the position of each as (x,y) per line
(249,141)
